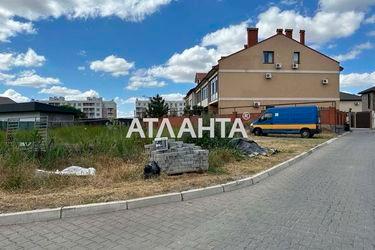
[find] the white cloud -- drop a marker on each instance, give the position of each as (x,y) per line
(345,5)
(81,68)
(82,95)
(181,67)
(28,59)
(125,114)
(357,80)
(116,66)
(173,96)
(370,20)
(142,79)
(371,33)
(69,94)
(320,28)
(15,96)
(227,40)
(60,91)
(10,27)
(354,53)
(130,10)
(31,79)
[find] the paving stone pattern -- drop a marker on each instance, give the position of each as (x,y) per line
(179,157)
(326,201)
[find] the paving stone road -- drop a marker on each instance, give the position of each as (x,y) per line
(327,201)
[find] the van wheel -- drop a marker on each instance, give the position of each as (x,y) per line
(305,133)
(258,132)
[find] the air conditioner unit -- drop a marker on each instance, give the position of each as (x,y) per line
(256,104)
(268,76)
(325,81)
(278,65)
(295,65)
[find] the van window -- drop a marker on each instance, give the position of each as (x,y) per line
(265,117)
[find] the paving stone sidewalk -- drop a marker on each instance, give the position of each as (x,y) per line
(327,201)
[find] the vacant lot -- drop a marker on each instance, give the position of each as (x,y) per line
(119,163)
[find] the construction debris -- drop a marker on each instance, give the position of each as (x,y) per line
(151,170)
(250,148)
(176,157)
(73,170)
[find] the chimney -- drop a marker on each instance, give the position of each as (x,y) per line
(279,31)
(252,37)
(289,33)
(302,37)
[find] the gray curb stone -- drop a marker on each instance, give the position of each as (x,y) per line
(234,185)
(201,192)
(154,200)
(30,216)
(96,208)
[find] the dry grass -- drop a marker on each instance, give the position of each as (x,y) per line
(120,180)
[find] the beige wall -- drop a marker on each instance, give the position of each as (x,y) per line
(241,82)
(347,105)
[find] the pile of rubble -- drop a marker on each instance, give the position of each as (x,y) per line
(250,148)
(176,157)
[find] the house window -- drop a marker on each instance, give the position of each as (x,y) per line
(214,89)
(369,101)
(296,57)
(268,57)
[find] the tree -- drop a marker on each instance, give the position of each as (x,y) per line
(78,114)
(157,107)
(187,110)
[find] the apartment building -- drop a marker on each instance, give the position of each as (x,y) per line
(176,108)
(93,107)
(277,70)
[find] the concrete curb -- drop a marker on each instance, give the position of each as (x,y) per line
(107,207)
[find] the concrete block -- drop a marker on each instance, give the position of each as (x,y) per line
(154,200)
(89,209)
(30,216)
(201,192)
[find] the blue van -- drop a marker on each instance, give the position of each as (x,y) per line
(302,120)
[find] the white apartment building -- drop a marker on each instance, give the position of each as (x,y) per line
(93,107)
(176,108)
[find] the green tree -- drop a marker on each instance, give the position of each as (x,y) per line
(78,114)
(187,110)
(157,107)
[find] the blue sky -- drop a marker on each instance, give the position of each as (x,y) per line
(122,49)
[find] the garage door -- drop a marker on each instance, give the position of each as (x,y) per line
(363,119)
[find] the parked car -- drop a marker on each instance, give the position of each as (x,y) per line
(302,120)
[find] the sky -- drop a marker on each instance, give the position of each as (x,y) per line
(127,49)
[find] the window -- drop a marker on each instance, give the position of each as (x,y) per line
(296,57)
(369,101)
(214,89)
(268,57)
(265,117)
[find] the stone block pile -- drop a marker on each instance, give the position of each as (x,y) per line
(179,157)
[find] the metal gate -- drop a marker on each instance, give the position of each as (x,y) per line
(363,120)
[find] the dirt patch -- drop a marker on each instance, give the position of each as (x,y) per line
(119,180)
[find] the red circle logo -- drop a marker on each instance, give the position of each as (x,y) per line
(246,116)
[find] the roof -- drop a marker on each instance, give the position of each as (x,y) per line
(199,77)
(367,91)
(6,100)
(189,92)
(208,75)
(341,68)
(34,107)
(349,97)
